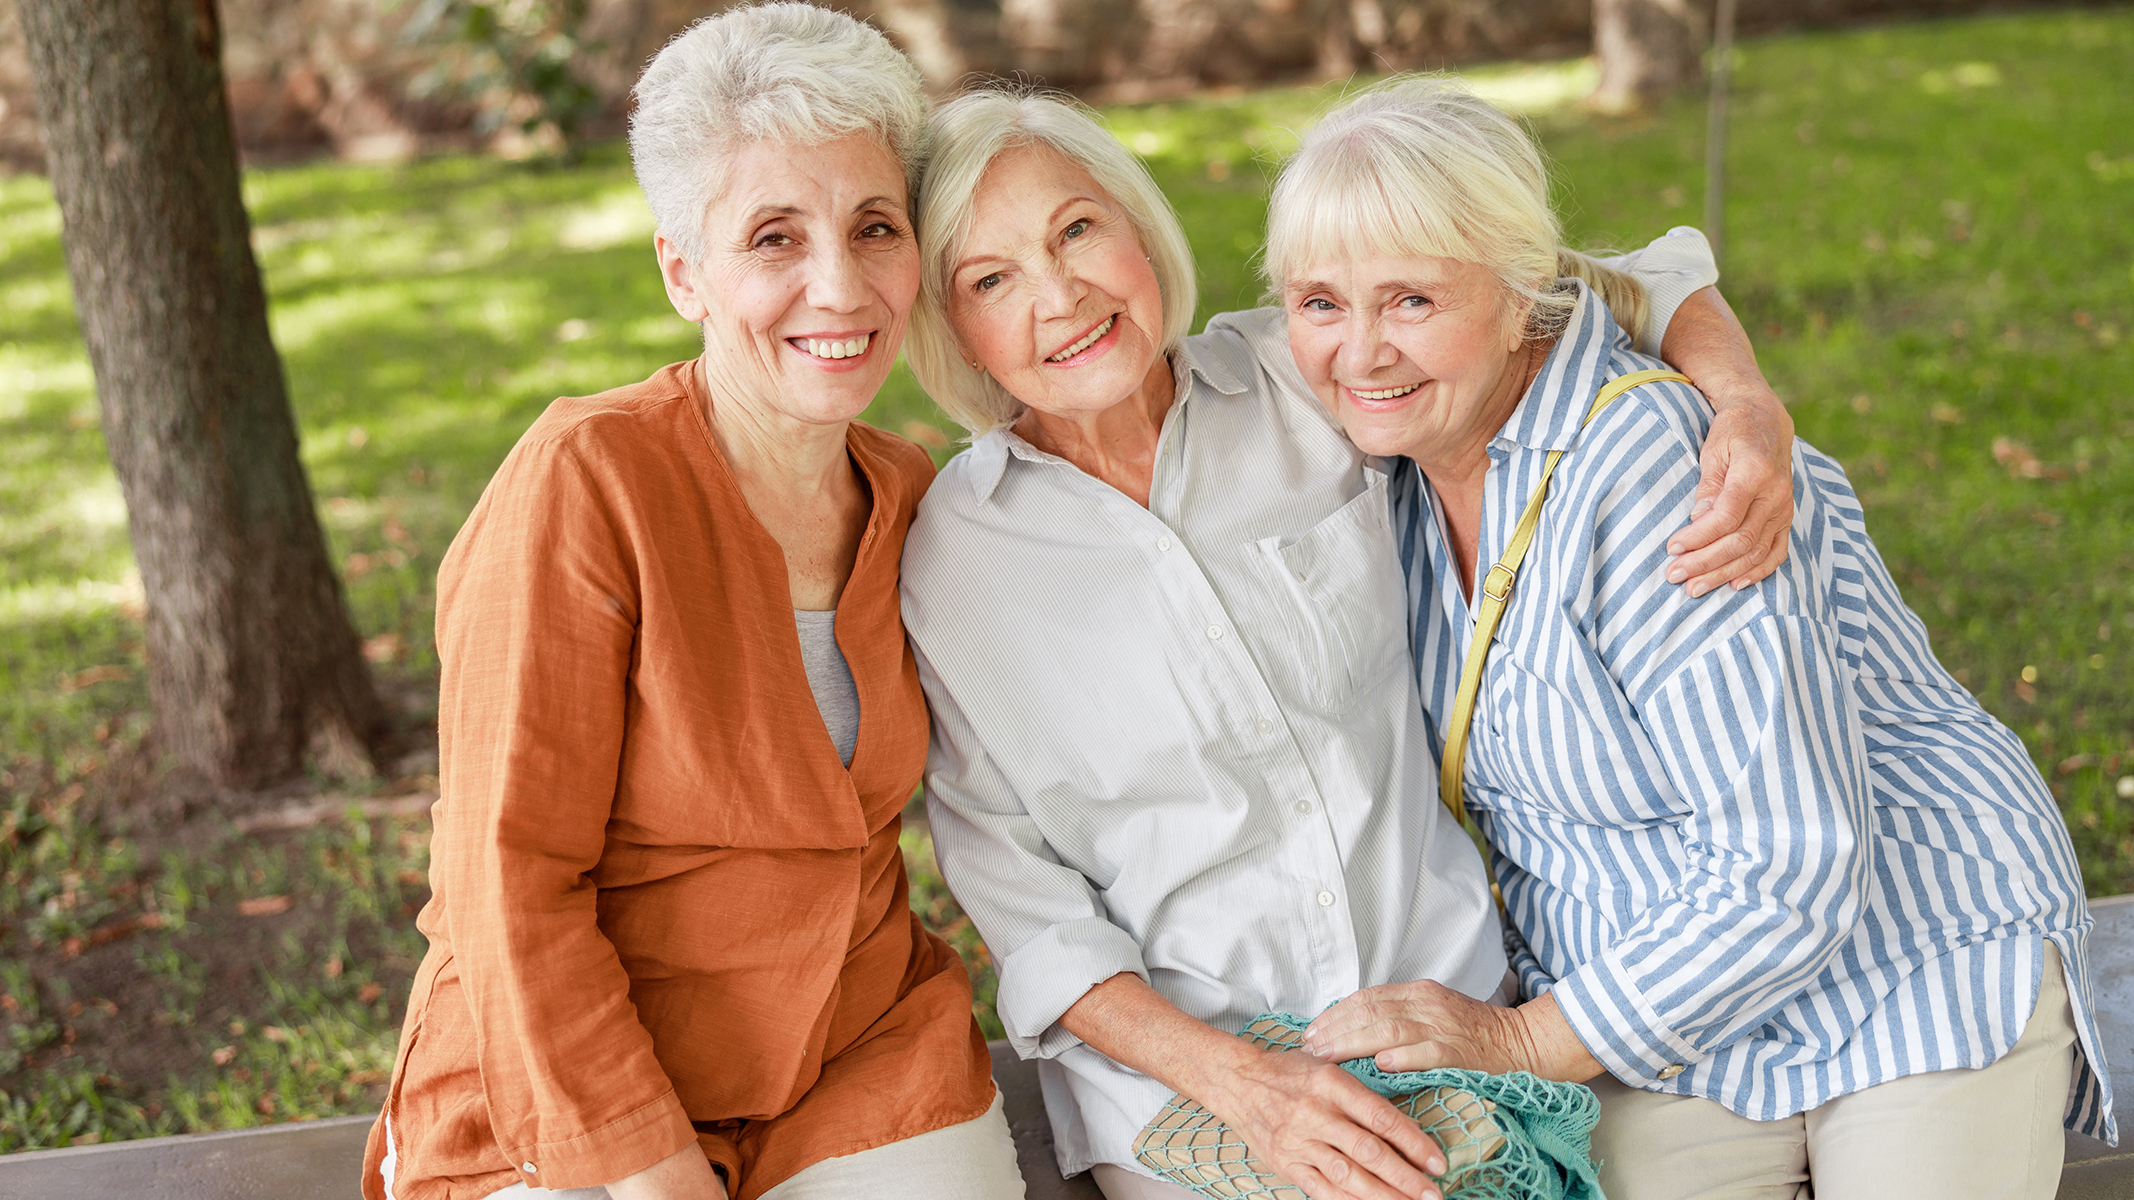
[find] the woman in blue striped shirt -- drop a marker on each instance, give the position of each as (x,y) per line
(1775,871)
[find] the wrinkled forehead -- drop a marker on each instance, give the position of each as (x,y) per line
(1025,186)
(1348,214)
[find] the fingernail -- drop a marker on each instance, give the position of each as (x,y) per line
(1700,508)
(1674,547)
(1677,574)
(1697,589)
(1740,584)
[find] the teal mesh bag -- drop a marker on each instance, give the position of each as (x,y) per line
(1505,1137)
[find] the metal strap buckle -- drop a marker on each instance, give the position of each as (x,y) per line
(1498,583)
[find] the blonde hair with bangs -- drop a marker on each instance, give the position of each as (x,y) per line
(967,134)
(1419,167)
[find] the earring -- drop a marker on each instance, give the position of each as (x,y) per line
(976,366)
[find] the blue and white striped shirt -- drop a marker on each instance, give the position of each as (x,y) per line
(1760,837)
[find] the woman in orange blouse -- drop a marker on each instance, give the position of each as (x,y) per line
(670,949)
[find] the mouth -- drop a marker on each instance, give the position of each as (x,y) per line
(833,349)
(1086,340)
(1391,393)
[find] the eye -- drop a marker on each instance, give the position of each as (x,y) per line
(1075,229)
(879,229)
(987,284)
(1415,301)
(773,240)
(1319,304)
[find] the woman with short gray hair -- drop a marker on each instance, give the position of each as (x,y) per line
(1180,776)
(671,954)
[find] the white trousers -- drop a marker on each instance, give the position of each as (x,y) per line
(1994,1131)
(971,1161)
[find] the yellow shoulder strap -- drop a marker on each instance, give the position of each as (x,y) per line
(1496,589)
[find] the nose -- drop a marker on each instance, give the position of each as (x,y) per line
(1059,293)
(836,280)
(1364,348)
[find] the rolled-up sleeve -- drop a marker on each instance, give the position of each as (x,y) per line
(1674,265)
(536,619)
(1043,920)
(1744,702)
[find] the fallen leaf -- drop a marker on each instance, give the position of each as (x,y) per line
(2018,458)
(222,1056)
(274,1033)
(265,1105)
(2027,692)
(369,992)
(333,967)
(366,1077)
(1948,414)
(265,906)
(2074,763)
(94,675)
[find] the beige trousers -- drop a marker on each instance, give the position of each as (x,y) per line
(1993,1131)
(971,1161)
(1118,1183)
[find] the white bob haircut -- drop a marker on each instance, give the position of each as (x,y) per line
(769,72)
(1419,167)
(968,133)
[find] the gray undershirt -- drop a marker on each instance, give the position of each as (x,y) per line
(830,678)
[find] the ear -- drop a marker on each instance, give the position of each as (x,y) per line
(680,276)
(1517,309)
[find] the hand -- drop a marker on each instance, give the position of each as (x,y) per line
(1316,1126)
(1425,1025)
(683,1175)
(1743,514)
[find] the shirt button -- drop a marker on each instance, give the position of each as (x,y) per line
(1215,633)
(529,1168)
(1304,809)
(1163,543)
(1326,899)
(1670,1070)
(1264,725)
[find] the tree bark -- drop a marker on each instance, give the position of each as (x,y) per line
(1648,49)
(253,663)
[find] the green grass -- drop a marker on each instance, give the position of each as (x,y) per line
(1930,239)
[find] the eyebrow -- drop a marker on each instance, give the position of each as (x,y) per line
(788,210)
(1393,285)
(1070,202)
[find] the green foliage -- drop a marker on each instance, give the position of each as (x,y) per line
(514,59)
(1928,239)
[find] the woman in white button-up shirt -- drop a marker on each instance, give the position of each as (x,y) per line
(1180,775)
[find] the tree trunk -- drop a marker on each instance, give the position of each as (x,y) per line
(252,659)
(1648,49)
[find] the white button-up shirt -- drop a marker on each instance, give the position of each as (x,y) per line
(1185,741)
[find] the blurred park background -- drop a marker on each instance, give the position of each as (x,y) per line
(1930,225)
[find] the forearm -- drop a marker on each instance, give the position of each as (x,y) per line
(1132,1024)
(684,1175)
(1706,342)
(1552,1049)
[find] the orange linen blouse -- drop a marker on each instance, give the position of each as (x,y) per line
(663,911)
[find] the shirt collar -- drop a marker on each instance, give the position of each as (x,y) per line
(990,451)
(1553,410)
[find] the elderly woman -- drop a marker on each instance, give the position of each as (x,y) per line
(670,949)
(1777,873)
(1180,770)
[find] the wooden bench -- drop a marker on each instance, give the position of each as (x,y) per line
(318,1160)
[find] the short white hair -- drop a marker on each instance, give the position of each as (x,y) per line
(1420,167)
(768,72)
(968,133)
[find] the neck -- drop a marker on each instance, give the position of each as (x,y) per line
(1457,463)
(1115,444)
(771,452)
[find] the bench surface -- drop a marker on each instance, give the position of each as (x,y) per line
(319,1160)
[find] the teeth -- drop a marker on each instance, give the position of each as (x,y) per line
(849,348)
(1387,394)
(1088,340)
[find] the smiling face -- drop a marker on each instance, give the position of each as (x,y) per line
(1053,293)
(807,280)
(1414,356)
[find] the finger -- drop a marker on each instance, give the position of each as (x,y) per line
(1392,1133)
(1315,1184)
(1763,569)
(1366,1180)
(1367,1039)
(1721,562)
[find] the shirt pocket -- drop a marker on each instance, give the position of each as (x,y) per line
(1345,575)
